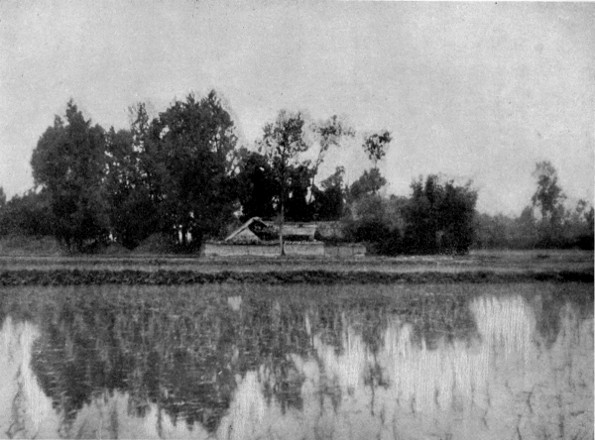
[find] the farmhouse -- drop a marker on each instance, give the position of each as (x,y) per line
(261,238)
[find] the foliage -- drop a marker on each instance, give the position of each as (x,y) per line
(290,181)
(375,146)
(370,223)
(300,178)
(439,217)
(368,183)
(281,142)
(329,200)
(133,214)
(181,176)
(69,162)
(256,186)
(192,142)
(29,214)
(548,198)
(330,133)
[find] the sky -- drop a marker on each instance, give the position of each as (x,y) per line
(478,91)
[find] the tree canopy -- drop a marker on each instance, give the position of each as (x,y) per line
(69,161)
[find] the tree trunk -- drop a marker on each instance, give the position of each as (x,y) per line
(281,241)
(283,183)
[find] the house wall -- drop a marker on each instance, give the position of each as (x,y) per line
(344,250)
(305,249)
(263,250)
(236,250)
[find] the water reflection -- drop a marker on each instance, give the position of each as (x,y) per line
(104,363)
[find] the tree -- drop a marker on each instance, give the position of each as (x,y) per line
(187,159)
(133,214)
(300,178)
(375,146)
(330,133)
(369,183)
(257,186)
(29,214)
(577,227)
(329,200)
(440,216)
(281,142)
(69,162)
(548,198)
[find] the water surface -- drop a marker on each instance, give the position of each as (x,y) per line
(235,362)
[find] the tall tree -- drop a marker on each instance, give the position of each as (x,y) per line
(548,198)
(133,214)
(190,148)
(69,161)
(330,133)
(281,142)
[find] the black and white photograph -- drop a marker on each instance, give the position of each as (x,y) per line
(301,220)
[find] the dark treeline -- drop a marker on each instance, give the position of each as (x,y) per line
(182,178)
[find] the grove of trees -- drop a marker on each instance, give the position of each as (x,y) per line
(546,223)
(183,176)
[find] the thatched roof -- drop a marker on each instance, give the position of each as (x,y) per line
(256,229)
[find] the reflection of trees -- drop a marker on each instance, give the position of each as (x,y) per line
(181,349)
(178,350)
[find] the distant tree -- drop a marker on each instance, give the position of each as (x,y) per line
(69,162)
(281,142)
(456,218)
(525,234)
(375,146)
(440,217)
(548,198)
(330,132)
(549,195)
(368,183)
(577,227)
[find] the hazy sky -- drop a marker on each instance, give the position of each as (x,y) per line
(471,90)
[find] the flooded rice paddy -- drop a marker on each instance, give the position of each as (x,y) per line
(457,361)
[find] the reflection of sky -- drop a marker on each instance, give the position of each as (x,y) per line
(503,382)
